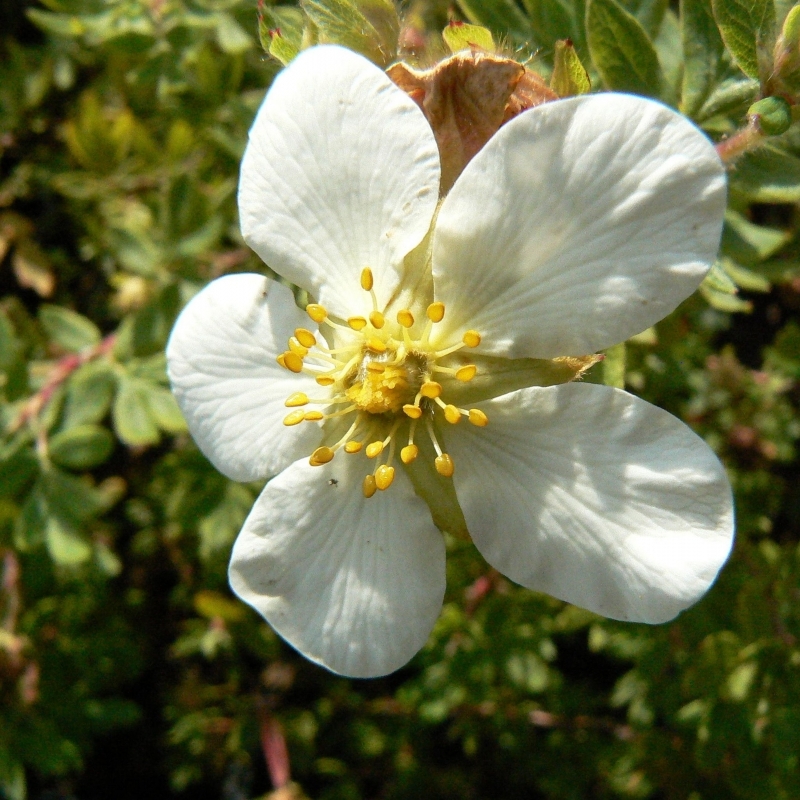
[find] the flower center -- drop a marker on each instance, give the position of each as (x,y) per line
(387,377)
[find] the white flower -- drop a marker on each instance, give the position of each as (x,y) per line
(581,223)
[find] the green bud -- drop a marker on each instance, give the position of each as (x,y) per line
(790,33)
(774,115)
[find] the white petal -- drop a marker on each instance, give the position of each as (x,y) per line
(341,172)
(595,497)
(221,363)
(354,584)
(581,223)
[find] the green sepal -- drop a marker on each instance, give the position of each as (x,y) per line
(436,490)
(569,76)
(747,29)
(774,115)
(498,376)
(621,49)
(461,36)
(280,31)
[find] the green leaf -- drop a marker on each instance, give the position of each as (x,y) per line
(723,301)
(90,390)
(745,278)
(668,48)
(702,53)
(284,24)
(65,543)
(70,330)
(341,22)
(133,419)
(12,777)
(730,97)
(231,37)
(621,50)
(503,17)
(164,409)
(614,366)
(767,175)
(459,36)
(569,75)
(747,27)
(719,280)
(81,447)
(280,48)
(745,241)
(551,20)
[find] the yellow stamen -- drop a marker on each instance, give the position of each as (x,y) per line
(431,389)
(435,312)
(415,412)
(295,418)
(369,486)
(281,359)
(466,373)
(292,362)
(374,449)
(444,465)
(471,338)
(376,345)
(477,417)
(313,416)
(377,319)
(305,337)
(376,366)
(297,348)
(357,323)
(452,414)
(409,453)
(405,318)
(367,280)
(322,455)
(384,476)
(317,312)
(353,447)
(325,380)
(296,399)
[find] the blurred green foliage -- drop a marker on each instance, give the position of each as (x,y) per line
(126,667)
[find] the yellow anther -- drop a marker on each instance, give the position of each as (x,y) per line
(377,320)
(295,418)
(477,417)
(357,323)
(325,380)
(353,447)
(444,465)
(292,361)
(384,476)
(435,312)
(376,366)
(431,389)
(305,337)
(452,414)
(322,455)
(405,318)
(317,312)
(281,359)
(313,416)
(374,449)
(471,338)
(367,281)
(376,345)
(409,453)
(296,399)
(415,412)
(466,373)
(369,486)
(297,348)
